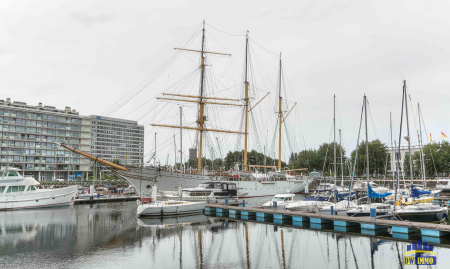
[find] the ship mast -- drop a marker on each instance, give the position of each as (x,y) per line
(201,100)
(246,104)
(200,120)
(279,120)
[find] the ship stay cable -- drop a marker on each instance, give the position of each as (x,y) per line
(141,86)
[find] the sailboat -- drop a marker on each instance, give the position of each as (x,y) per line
(143,178)
(422,212)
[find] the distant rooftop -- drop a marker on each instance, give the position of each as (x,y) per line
(38,107)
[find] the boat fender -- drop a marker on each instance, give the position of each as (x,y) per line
(392,197)
(446,215)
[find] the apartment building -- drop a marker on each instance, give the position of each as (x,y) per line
(28,137)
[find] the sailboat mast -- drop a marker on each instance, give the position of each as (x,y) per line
(367,145)
(421,148)
(246,104)
(181,141)
(407,131)
(279,120)
(392,145)
(342,159)
(202,105)
(334,135)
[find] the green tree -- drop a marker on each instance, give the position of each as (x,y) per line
(315,159)
(377,158)
(253,158)
(116,161)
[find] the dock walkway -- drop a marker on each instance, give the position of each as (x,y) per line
(365,223)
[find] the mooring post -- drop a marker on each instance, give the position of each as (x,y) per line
(274,204)
(243,203)
(373,214)
(332,210)
(226,201)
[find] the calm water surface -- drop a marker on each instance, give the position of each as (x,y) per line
(109,236)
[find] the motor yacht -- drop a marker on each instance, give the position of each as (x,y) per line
(281,200)
(20,192)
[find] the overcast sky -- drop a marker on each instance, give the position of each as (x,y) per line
(89,54)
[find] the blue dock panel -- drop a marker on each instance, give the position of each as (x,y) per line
(374,231)
(404,230)
(248,217)
(222,214)
(346,228)
(326,226)
(300,219)
(248,213)
(345,223)
(234,212)
(280,216)
(371,226)
(404,236)
(263,215)
(233,216)
(300,223)
(282,221)
(319,221)
(221,210)
(434,233)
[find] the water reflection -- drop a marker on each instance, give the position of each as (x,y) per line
(109,236)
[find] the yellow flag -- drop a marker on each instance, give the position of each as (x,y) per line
(431,138)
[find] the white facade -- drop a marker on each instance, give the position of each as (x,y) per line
(120,139)
(28,135)
(392,166)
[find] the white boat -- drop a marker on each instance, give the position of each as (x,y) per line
(168,208)
(340,208)
(281,199)
(19,192)
(425,212)
(364,210)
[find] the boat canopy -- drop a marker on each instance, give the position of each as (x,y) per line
(373,194)
(417,193)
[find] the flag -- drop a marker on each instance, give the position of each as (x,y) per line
(431,138)
(443,135)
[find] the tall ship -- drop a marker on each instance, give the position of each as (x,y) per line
(207,103)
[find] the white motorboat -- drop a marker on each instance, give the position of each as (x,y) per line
(340,208)
(281,200)
(19,192)
(169,207)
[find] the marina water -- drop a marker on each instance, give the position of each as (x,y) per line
(110,236)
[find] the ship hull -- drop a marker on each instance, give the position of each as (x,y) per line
(39,199)
(143,180)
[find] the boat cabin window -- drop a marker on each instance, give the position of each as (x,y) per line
(12,174)
(224,186)
(21,188)
(32,188)
(2,189)
(231,186)
(15,189)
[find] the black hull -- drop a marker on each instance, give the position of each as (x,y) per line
(363,214)
(423,217)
